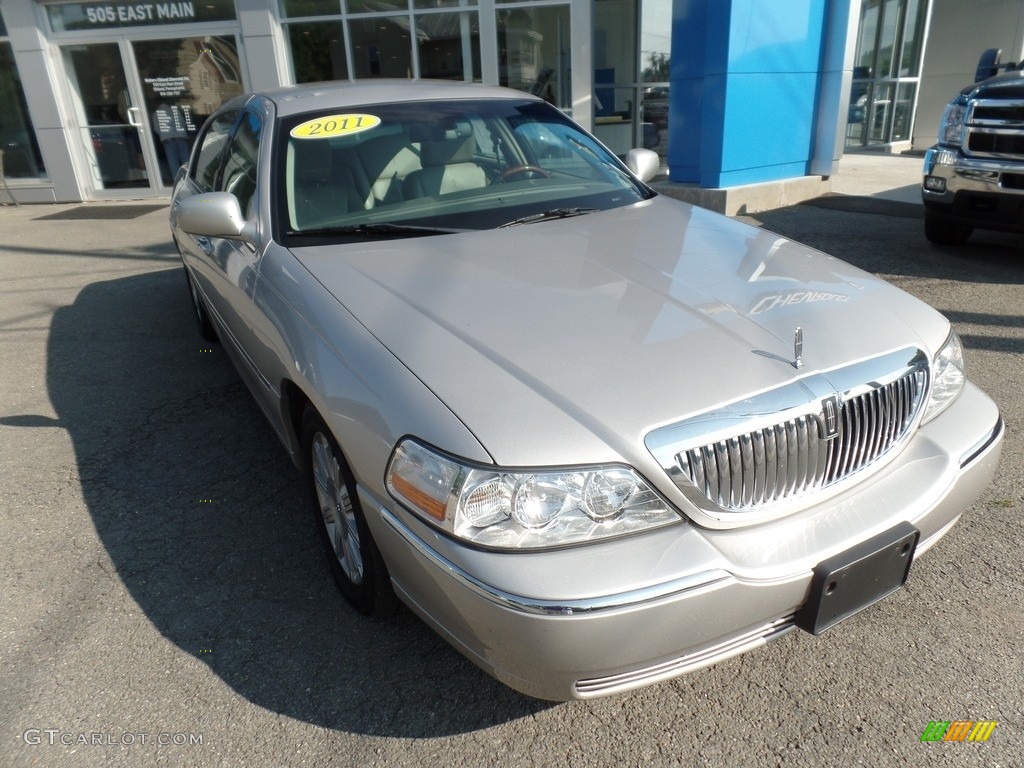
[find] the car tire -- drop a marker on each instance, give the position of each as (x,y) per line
(356,564)
(206,329)
(942,231)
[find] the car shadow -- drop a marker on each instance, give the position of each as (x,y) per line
(866,232)
(208,525)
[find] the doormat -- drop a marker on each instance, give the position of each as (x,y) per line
(102,212)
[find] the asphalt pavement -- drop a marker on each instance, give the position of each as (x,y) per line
(164,599)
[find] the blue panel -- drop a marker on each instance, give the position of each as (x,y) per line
(758,175)
(687,90)
(686,97)
(769,119)
(689,35)
(774,36)
(745,80)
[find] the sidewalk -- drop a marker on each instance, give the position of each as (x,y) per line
(888,177)
(862,177)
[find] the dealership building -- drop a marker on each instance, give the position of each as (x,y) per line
(101,99)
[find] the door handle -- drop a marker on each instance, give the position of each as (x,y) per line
(205,244)
(135,117)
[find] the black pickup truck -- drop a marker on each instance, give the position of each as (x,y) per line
(974,175)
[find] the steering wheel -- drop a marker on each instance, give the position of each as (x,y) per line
(517,169)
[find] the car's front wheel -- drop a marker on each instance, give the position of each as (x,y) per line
(942,231)
(355,561)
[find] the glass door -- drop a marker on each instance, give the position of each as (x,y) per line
(183,80)
(140,103)
(109,117)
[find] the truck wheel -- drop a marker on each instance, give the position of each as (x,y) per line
(942,231)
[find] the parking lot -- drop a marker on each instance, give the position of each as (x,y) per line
(164,599)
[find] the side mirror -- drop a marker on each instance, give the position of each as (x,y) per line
(644,163)
(988,64)
(214,214)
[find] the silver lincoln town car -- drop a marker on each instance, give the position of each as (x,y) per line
(594,437)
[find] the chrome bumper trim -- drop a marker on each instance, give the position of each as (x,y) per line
(602,686)
(967,174)
(984,444)
(536,606)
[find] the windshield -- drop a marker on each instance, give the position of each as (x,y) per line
(421,168)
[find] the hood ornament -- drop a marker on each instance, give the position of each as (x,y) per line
(798,348)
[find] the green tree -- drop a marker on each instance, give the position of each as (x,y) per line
(657,69)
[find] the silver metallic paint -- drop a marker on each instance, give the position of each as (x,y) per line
(567,342)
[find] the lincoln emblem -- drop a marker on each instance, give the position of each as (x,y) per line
(830,417)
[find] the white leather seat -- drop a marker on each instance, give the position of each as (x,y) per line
(321,191)
(447,167)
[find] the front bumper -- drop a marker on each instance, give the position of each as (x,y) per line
(985,193)
(599,619)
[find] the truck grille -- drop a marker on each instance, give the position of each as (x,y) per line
(995,129)
(792,457)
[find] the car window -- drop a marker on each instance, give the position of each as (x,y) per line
(211,148)
(452,166)
(240,161)
(555,148)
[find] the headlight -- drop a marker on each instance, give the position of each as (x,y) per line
(523,509)
(954,119)
(949,373)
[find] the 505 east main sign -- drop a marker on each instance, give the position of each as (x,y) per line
(106,15)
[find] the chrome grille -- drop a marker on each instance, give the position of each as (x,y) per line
(783,460)
(994,128)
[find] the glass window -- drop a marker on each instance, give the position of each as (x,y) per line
(903,111)
(655,40)
(376,6)
(443,3)
(449,45)
(631,84)
(19,150)
(879,112)
(212,143)
(318,51)
(240,162)
(910,65)
(886,45)
(534,49)
(865,58)
(3,28)
(381,47)
(655,60)
(615,54)
(885,73)
(184,81)
(298,8)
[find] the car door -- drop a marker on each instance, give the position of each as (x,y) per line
(202,177)
(226,269)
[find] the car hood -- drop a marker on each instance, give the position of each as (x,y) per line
(565,342)
(1009,85)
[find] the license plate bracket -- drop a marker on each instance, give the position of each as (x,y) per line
(848,582)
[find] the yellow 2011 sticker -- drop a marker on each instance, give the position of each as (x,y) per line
(334,125)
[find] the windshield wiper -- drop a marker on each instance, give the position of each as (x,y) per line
(374,230)
(554,213)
